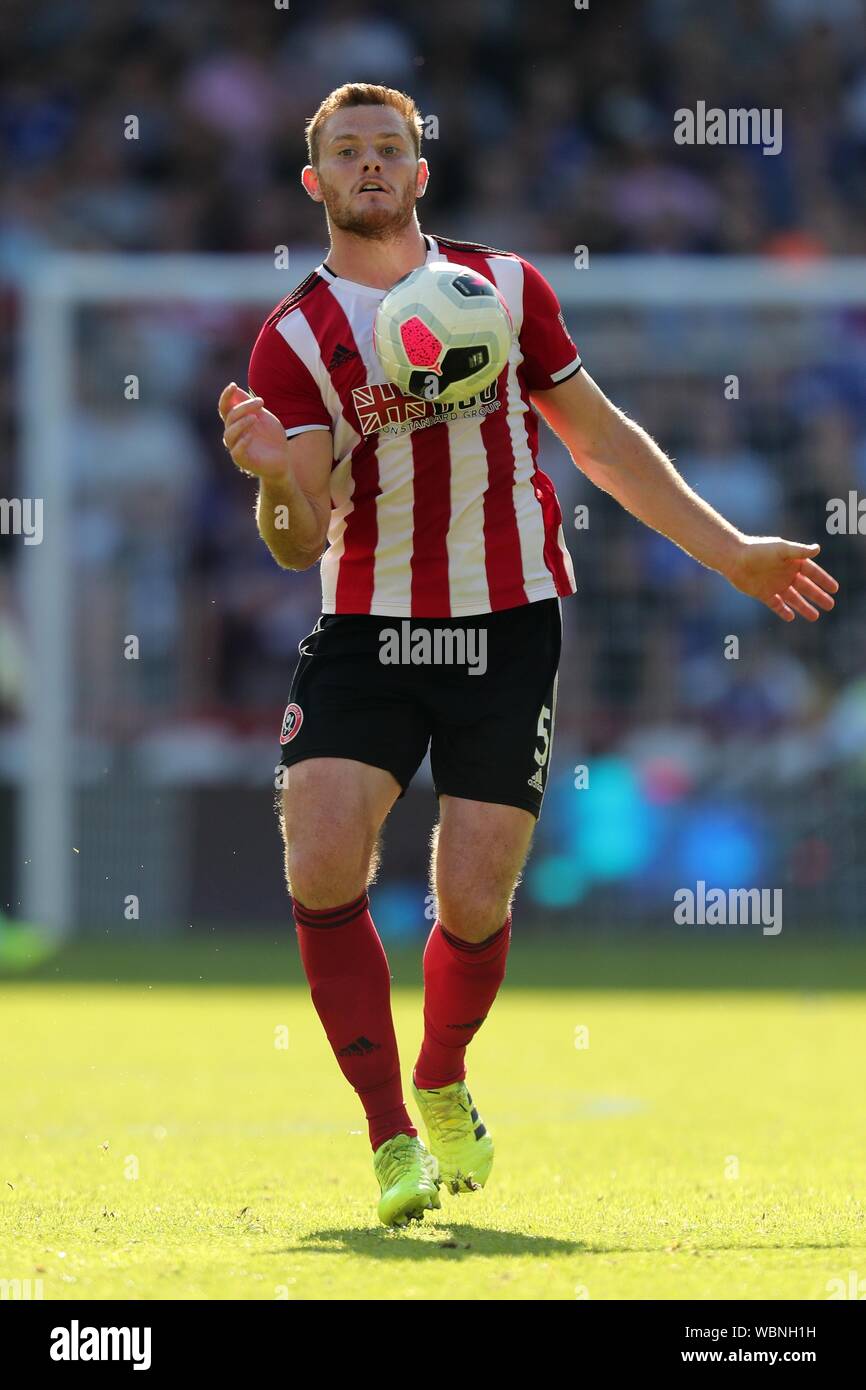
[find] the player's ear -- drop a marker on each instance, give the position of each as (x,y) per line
(422,178)
(310,180)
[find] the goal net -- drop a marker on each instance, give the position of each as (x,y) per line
(697,737)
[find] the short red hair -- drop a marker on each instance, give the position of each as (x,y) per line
(363,94)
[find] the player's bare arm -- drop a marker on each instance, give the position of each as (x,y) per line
(620,458)
(294,504)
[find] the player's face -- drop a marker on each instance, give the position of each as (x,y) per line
(368,176)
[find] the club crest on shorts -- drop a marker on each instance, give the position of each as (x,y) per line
(292,721)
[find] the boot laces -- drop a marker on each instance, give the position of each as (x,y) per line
(450,1117)
(401,1158)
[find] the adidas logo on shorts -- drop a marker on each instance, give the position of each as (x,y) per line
(536,781)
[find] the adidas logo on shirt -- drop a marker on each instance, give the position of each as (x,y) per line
(339,356)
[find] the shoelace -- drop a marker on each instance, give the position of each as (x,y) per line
(450,1118)
(399,1160)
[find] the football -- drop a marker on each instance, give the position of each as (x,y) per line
(443,332)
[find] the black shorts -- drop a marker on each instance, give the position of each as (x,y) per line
(480,692)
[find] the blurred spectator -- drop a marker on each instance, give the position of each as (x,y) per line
(540,119)
(546,135)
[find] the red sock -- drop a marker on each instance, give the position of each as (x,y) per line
(461,981)
(350,984)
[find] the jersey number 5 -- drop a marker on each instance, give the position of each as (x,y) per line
(544,735)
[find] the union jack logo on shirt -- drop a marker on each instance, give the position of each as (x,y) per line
(380,407)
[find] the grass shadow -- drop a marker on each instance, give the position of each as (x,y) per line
(450,1240)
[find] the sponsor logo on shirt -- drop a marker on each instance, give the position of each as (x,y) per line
(385,409)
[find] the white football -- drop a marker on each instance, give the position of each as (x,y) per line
(443,332)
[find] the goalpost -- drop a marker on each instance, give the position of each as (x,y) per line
(54,290)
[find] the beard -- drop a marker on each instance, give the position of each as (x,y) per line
(375,224)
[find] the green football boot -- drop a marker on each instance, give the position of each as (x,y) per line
(409,1179)
(457,1136)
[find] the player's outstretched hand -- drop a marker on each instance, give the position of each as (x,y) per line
(253,436)
(784,576)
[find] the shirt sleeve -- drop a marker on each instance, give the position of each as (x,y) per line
(549,354)
(285,384)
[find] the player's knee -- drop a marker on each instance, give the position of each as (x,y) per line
(329,870)
(472,915)
(330,851)
(321,876)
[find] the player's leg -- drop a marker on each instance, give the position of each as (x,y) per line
(490,756)
(332,812)
(479,851)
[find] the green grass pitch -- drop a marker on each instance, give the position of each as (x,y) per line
(157,1142)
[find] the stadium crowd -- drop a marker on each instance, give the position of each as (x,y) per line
(548,127)
(552,125)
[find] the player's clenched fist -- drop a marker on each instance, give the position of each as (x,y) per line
(253,436)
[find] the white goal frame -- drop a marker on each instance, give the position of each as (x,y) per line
(58,285)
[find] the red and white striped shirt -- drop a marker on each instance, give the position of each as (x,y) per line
(437,511)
